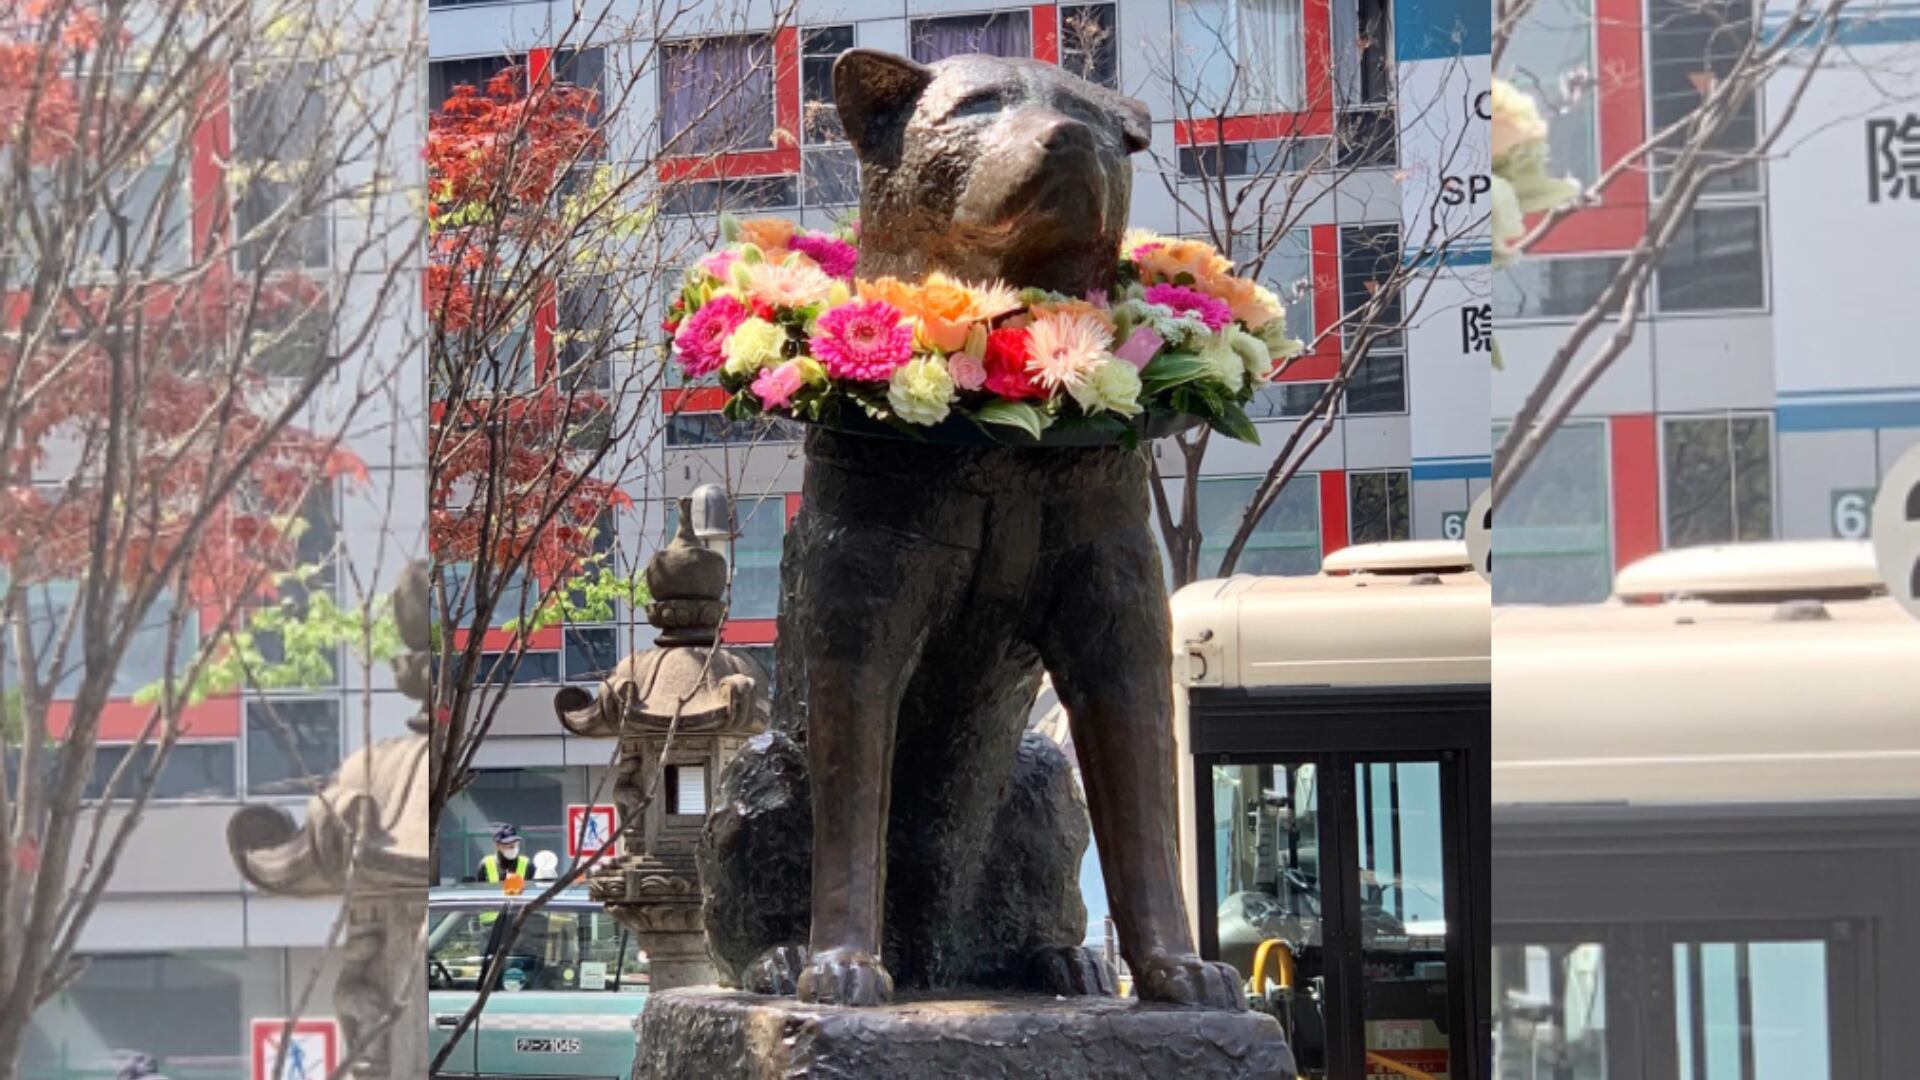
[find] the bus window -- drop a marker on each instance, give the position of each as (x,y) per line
(1745,1009)
(1550,1012)
(1403,923)
(1267,871)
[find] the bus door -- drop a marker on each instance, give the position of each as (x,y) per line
(1339,883)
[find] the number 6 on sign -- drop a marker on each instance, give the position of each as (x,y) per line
(1852,513)
(1453,525)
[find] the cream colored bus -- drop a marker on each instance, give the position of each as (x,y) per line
(1706,824)
(1333,734)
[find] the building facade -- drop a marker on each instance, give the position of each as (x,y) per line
(1772,381)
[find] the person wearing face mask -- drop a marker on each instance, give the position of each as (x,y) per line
(506,858)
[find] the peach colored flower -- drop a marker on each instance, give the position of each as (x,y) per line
(1075,308)
(791,284)
(1247,299)
(1195,258)
(944,308)
(769,234)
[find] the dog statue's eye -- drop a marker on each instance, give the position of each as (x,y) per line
(977,105)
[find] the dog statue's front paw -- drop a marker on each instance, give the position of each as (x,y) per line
(845,977)
(775,972)
(1073,971)
(1189,980)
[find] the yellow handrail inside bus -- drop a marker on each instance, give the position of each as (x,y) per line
(1391,1065)
(1282,955)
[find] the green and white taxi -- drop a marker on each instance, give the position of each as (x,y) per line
(572,985)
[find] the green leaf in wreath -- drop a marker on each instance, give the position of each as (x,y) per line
(1173,369)
(1016,414)
(741,406)
(1232,422)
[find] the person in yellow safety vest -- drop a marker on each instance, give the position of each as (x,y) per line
(506,858)
(506,861)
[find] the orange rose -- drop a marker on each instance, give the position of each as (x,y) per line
(1249,303)
(1195,258)
(945,309)
(770,234)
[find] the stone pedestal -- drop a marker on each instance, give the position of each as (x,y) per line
(727,1035)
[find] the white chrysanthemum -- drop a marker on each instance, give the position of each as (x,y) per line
(1228,369)
(1066,349)
(791,284)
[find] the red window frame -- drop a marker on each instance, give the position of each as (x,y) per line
(1313,121)
(1322,362)
(1619,219)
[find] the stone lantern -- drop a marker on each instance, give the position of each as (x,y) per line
(681,711)
(365,837)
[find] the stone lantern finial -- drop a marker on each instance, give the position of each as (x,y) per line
(688,583)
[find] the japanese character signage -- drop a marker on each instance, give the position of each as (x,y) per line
(1476,328)
(1893,154)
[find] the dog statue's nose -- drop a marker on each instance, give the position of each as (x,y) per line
(1067,135)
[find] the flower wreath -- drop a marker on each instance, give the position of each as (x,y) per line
(778,315)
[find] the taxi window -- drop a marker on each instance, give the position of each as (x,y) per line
(572,950)
(457,947)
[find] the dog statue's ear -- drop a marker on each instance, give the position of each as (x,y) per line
(1136,123)
(875,92)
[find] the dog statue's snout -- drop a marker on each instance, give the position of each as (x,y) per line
(1065,135)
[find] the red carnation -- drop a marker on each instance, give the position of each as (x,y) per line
(1008,351)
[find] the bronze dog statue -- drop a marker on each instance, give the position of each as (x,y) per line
(899,820)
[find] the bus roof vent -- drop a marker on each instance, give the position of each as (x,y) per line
(1400,557)
(1769,572)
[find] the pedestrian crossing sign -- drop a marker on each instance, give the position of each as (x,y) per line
(590,829)
(310,1052)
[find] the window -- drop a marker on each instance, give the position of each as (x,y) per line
(591,652)
(293,340)
(687,790)
(134,221)
(1380,507)
(1719,473)
(187,1009)
(830,173)
(764,656)
(292,745)
(533,799)
(1287,269)
(1691,45)
(477,72)
(532,666)
(1238,57)
(732,195)
(514,598)
(142,665)
(1000,33)
(1369,259)
(1287,539)
(1548,288)
(1369,138)
(194,770)
(819,48)
(279,136)
(585,317)
(1379,385)
(1751,1008)
(457,941)
(316,549)
(1262,157)
(1550,1003)
(1363,52)
(1285,400)
(1552,539)
(1555,38)
(1715,263)
(568,949)
(713,429)
(716,95)
(1089,43)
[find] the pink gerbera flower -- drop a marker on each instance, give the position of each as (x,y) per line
(864,340)
(1215,313)
(834,256)
(701,337)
